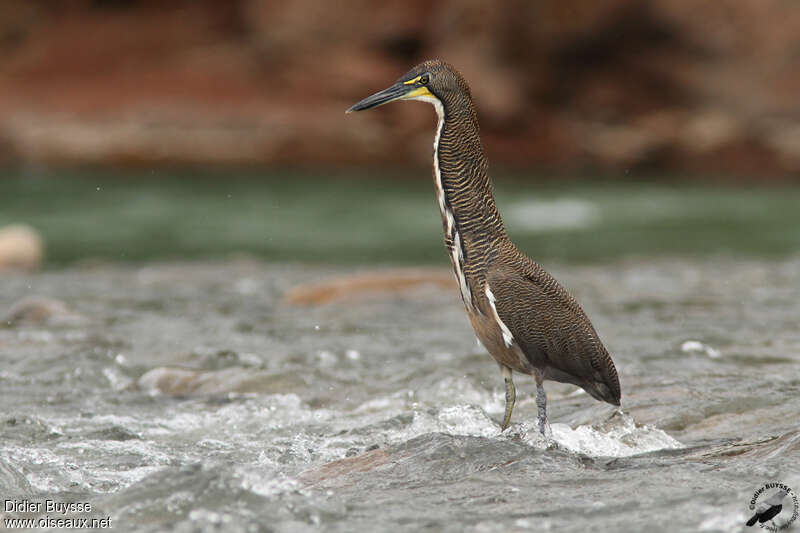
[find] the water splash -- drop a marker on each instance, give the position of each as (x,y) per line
(617,437)
(699,347)
(461,420)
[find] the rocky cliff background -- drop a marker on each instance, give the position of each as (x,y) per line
(683,87)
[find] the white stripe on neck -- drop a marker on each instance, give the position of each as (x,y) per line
(451,231)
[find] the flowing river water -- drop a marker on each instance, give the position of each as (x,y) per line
(192,396)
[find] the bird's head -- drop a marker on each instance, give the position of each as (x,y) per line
(433,81)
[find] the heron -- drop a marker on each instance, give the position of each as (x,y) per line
(521,315)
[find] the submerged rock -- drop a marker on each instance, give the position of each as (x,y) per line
(367,283)
(364,462)
(40,310)
(21,248)
(174,381)
(13,481)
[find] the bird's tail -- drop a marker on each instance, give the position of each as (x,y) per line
(752,521)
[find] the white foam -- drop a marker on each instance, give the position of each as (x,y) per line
(117,379)
(714,520)
(383,405)
(42,480)
(699,347)
(445,390)
(463,420)
(622,439)
(327,359)
(204,517)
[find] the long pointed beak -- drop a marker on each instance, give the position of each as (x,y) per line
(390,94)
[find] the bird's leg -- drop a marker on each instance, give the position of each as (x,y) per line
(511,395)
(541,404)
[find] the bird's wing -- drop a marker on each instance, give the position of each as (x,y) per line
(552,330)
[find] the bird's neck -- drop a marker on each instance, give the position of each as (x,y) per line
(471,222)
(461,173)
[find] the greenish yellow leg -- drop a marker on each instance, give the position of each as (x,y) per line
(511,396)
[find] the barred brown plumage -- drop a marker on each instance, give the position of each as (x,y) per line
(524,318)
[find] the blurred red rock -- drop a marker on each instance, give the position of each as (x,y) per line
(667,85)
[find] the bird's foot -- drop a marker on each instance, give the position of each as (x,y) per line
(544,427)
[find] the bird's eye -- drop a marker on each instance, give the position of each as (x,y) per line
(424,79)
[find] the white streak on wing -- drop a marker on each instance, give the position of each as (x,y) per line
(508,338)
(456,249)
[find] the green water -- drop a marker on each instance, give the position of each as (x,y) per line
(293,217)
